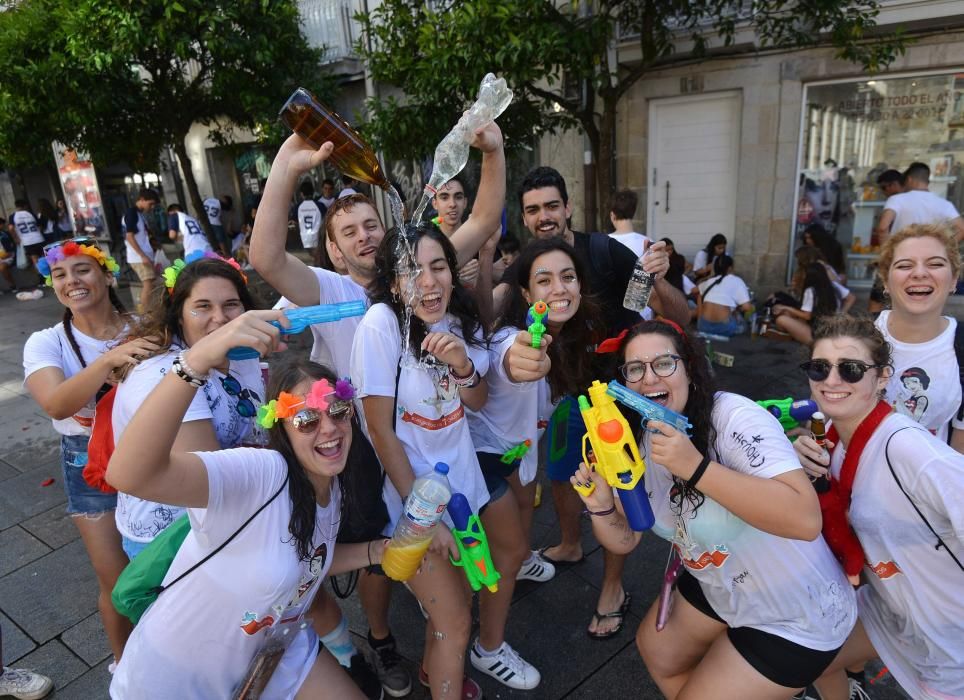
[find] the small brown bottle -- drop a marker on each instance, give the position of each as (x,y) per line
(818,428)
(316,124)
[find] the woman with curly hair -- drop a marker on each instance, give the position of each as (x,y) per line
(761,607)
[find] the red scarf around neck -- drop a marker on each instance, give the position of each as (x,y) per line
(835,502)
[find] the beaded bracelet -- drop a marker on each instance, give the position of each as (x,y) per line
(183,370)
(470,381)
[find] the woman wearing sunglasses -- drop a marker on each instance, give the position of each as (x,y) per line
(919,267)
(894,512)
(761,607)
(67,368)
(419,361)
(199,298)
(278,509)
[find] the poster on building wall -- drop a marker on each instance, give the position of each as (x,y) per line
(81,191)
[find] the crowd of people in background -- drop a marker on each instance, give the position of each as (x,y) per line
(280,475)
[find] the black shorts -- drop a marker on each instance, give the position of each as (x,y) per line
(495,474)
(777,659)
(34,249)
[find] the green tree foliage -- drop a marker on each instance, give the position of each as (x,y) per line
(559,57)
(121,79)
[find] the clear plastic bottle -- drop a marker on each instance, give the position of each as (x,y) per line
(452,153)
(639,288)
(423,510)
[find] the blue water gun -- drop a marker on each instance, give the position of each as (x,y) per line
(305,316)
(649,410)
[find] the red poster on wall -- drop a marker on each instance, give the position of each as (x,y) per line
(81,191)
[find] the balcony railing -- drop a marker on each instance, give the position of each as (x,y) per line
(329,24)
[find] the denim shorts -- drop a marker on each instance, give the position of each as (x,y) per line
(727,328)
(81,497)
(495,474)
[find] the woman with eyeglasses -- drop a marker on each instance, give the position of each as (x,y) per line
(67,368)
(919,267)
(198,298)
(761,607)
(222,626)
(894,512)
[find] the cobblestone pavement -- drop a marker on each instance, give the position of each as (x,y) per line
(48,591)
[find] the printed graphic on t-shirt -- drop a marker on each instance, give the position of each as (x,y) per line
(913,399)
(233,424)
(715,558)
(885,569)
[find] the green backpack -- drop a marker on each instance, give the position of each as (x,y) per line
(140,583)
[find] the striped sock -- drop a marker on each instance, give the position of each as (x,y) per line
(339,643)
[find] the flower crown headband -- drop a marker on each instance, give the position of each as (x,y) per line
(58,253)
(287,405)
(171,273)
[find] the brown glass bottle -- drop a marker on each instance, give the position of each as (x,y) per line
(818,428)
(316,124)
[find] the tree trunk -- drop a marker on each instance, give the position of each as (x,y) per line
(591,188)
(606,151)
(181,152)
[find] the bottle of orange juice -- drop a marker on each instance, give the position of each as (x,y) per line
(423,510)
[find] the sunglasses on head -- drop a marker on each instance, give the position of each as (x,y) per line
(79,240)
(851,371)
(306,420)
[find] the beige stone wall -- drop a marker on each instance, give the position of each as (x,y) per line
(772,86)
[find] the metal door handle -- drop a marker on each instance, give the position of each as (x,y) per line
(667,196)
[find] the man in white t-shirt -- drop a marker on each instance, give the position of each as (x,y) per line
(327,192)
(353,232)
(622,209)
(188,230)
(917,205)
(212,208)
(28,232)
(140,254)
(311,215)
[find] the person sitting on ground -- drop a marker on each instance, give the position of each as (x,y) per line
(723,297)
(821,297)
(704,259)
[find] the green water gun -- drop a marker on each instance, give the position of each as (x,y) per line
(537,312)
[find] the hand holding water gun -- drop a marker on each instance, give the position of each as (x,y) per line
(791,413)
(617,456)
(300,318)
(516,453)
(537,312)
(475,559)
(648,409)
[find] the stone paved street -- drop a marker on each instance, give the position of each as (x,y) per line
(48,591)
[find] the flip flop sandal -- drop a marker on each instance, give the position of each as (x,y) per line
(615,615)
(557,564)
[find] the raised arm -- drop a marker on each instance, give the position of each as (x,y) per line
(144,463)
(487,211)
(267,253)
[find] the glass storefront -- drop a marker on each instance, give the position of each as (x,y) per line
(854,131)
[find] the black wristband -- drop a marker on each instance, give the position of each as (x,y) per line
(698,474)
(601,513)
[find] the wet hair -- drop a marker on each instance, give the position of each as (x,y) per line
(717,239)
(345,204)
(543,176)
(163,316)
(861,328)
(699,403)
(301,525)
(918,171)
(623,204)
(461,304)
(936,231)
(824,293)
(571,369)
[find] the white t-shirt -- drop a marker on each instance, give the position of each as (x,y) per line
(732,291)
(688,286)
(912,607)
(636,242)
(791,588)
(841,293)
(702,259)
(430,418)
(27,228)
(212,207)
(919,207)
(192,235)
(309,222)
(140,520)
(141,235)
(931,391)
(320,353)
(50,348)
(511,413)
(196,640)
(337,336)
(327,201)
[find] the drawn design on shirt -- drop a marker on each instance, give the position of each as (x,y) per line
(885,569)
(445,389)
(715,558)
(315,566)
(161,516)
(229,425)
(914,401)
(749,447)
(829,601)
(251,625)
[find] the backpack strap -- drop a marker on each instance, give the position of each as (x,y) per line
(600,255)
(161,589)
(940,542)
(959,352)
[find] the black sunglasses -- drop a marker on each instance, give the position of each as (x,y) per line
(851,371)
(306,420)
(245,406)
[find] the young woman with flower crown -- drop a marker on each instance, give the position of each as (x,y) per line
(214,630)
(67,367)
(200,297)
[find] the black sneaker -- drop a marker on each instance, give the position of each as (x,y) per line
(388,665)
(365,677)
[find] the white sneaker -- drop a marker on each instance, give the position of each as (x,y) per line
(857,691)
(535,568)
(507,667)
(24,685)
